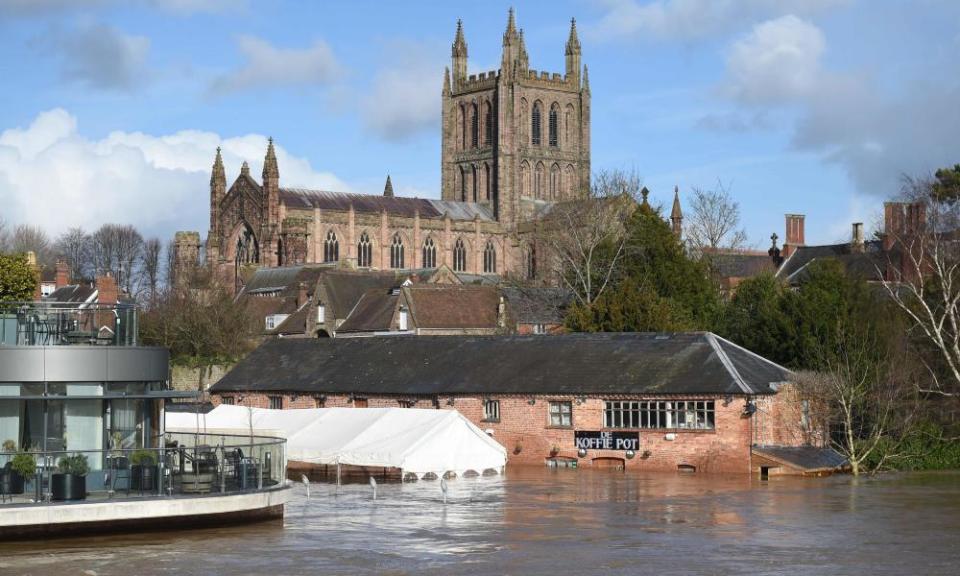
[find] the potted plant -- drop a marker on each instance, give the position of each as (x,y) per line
(21,467)
(71,482)
(143,472)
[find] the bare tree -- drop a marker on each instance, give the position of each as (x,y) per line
(922,276)
(4,236)
(150,270)
(74,246)
(714,222)
(585,238)
(116,249)
(26,238)
(865,393)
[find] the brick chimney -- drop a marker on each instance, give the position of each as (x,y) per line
(856,238)
(63,273)
(107,292)
(795,234)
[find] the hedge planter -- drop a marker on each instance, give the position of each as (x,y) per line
(68,487)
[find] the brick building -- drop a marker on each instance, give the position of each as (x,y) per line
(513,142)
(689,401)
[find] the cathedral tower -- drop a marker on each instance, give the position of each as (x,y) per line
(515,138)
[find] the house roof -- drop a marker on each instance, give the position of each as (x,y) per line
(344,288)
(74,293)
(395,205)
(740,264)
(804,458)
(373,313)
(574,364)
(453,306)
(537,305)
(864,263)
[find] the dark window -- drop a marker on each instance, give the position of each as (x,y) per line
(561,414)
(491,410)
(553,127)
(535,125)
(360,403)
(489,258)
(396,252)
(429,254)
(486,182)
(364,251)
(463,185)
(474,127)
(459,256)
(276,402)
(331,247)
(532,263)
(319,401)
(488,128)
(474,183)
(228,400)
(407,403)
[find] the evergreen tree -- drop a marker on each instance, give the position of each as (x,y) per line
(18,279)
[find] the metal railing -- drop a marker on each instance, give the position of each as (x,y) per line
(187,465)
(64,324)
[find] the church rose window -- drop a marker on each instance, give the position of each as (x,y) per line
(396,252)
(535,125)
(459,256)
(489,258)
(429,254)
(331,247)
(364,251)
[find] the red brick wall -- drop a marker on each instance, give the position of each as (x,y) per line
(524,430)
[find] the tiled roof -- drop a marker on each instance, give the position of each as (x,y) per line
(453,306)
(394,205)
(864,263)
(73,293)
(344,288)
(740,264)
(373,313)
(595,364)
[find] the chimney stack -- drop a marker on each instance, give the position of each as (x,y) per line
(795,234)
(107,292)
(856,239)
(63,273)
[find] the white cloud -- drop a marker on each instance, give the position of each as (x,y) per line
(100,56)
(53,176)
(693,19)
(778,61)
(268,67)
(405,97)
(55,7)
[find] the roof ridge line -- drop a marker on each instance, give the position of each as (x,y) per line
(727,363)
(754,354)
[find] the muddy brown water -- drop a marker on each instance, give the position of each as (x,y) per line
(536,521)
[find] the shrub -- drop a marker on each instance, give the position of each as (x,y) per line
(76,465)
(9,446)
(24,464)
(143,458)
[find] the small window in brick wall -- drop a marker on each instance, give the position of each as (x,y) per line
(561,414)
(491,410)
(276,402)
(228,400)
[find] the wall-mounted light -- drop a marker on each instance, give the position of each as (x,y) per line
(532,401)
(582,453)
(749,408)
(630,454)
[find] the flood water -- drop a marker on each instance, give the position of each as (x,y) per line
(557,522)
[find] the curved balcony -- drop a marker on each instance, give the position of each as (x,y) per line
(67,323)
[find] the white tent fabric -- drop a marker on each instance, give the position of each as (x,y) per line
(413,440)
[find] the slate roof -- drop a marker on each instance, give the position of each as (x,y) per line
(537,305)
(373,313)
(453,306)
(574,364)
(73,293)
(344,288)
(740,264)
(805,458)
(394,205)
(863,263)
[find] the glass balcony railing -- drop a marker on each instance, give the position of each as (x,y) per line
(65,324)
(187,465)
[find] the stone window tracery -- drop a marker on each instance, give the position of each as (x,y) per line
(429,253)
(331,247)
(489,258)
(459,256)
(364,251)
(396,252)
(535,125)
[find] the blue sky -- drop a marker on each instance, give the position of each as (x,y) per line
(111,110)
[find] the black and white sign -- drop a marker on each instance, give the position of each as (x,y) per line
(594,440)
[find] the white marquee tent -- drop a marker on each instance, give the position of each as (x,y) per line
(413,440)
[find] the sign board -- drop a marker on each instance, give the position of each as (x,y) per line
(595,440)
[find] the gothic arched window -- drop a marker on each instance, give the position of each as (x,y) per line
(538,181)
(488,125)
(459,256)
(532,263)
(535,125)
(331,247)
(474,189)
(463,128)
(487,187)
(429,253)
(569,182)
(474,126)
(364,251)
(396,252)
(490,258)
(554,181)
(554,110)
(463,185)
